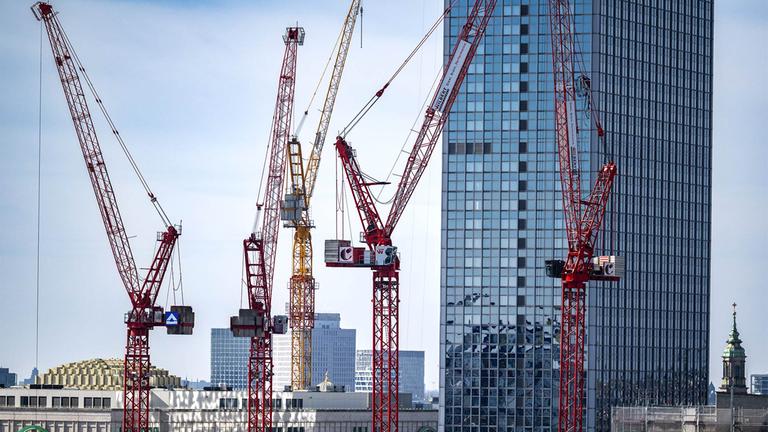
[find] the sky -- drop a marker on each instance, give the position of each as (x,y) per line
(191,86)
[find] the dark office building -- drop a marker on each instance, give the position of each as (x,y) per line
(7,378)
(650,64)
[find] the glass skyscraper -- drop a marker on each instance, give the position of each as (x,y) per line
(410,366)
(229,359)
(333,351)
(650,65)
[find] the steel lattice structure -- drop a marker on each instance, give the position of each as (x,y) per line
(377,235)
(583,217)
(144,313)
(260,248)
(302,284)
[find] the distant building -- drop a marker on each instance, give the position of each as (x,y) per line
(411,369)
(733,389)
(730,408)
(186,410)
(7,378)
(196,385)
(333,351)
(32,377)
(229,359)
(695,418)
(758,384)
(101,374)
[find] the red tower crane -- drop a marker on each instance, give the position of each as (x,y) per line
(144,314)
(380,255)
(259,249)
(583,217)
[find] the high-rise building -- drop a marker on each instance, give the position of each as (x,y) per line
(7,378)
(333,351)
(650,65)
(32,377)
(758,384)
(410,366)
(229,359)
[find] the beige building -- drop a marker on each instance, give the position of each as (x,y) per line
(183,410)
(101,374)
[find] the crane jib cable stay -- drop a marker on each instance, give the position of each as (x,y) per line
(583,217)
(145,314)
(380,254)
(259,250)
(380,92)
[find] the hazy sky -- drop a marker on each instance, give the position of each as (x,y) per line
(191,87)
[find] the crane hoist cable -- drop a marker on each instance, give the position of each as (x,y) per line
(403,149)
(376,96)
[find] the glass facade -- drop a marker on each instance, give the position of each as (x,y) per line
(410,365)
(650,64)
(229,359)
(333,351)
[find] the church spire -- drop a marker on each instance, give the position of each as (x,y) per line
(734,361)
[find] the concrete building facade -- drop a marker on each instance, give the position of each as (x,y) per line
(194,410)
(650,65)
(411,367)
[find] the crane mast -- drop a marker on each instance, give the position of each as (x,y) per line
(296,215)
(381,255)
(144,314)
(583,218)
(260,247)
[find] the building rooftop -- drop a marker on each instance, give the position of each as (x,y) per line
(101,374)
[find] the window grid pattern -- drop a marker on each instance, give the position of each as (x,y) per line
(502,215)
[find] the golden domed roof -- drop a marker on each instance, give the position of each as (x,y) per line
(101,374)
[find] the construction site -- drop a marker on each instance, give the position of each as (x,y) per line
(554,314)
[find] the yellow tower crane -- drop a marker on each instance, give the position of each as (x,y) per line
(295,214)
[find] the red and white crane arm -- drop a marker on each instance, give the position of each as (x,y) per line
(89,143)
(566,128)
(370,220)
(453,75)
(260,248)
(144,314)
(281,132)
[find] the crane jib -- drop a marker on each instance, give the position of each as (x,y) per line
(452,73)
